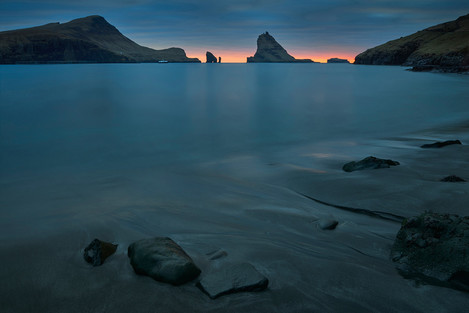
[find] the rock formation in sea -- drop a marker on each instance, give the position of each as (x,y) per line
(441,144)
(219,59)
(270,51)
(85,40)
(210,57)
(337,60)
(442,47)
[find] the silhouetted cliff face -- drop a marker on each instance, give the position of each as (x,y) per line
(444,45)
(270,51)
(90,39)
(210,57)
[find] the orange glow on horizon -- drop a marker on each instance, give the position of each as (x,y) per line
(240,56)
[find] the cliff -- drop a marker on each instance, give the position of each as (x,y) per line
(210,57)
(270,51)
(89,40)
(445,45)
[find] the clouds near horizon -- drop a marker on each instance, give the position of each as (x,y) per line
(298,24)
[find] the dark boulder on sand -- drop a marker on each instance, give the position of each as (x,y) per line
(163,260)
(369,163)
(98,251)
(453,179)
(231,279)
(441,144)
(433,248)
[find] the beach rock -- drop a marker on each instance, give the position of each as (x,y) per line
(163,260)
(328,224)
(453,179)
(210,57)
(231,279)
(369,163)
(337,60)
(441,144)
(219,59)
(270,51)
(434,248)
(98,251)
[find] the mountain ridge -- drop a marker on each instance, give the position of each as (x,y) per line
(445,45)
(89,39)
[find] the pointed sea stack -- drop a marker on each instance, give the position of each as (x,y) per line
(210,57)
(270,51)
(444,47)
(85,40)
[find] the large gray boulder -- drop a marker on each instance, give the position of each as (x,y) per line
(434,247)
(163,260)
(232,278)
(370,162)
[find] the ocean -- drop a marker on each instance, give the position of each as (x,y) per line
(220,156)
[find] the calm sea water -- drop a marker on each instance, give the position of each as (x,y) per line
(197,152)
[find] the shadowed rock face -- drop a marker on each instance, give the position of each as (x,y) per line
(210,57)
(433,247)
(443,45)
(90,40)
(270,51)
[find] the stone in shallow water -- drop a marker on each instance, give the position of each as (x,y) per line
(98,251)
(370,162)
(441,144)
(434,248)
(328,224)
(163,260)
(453,179)
(231,279)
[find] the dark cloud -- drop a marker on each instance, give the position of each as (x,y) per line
(301,24)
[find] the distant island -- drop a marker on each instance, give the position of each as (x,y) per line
(270,51)
(444,47)
(337,60)
(85,40)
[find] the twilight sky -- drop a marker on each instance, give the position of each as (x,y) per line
(316,29)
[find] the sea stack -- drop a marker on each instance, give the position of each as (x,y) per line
(270,51)
(444,47)
(85,40)
(210,57)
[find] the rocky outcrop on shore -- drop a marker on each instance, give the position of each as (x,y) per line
(441,144)
(85,40)
(210,57)
(270,51)
(337,60)
(433,247)
(163,260)
(444,47)
(231,279)
(370,162)
(98,251)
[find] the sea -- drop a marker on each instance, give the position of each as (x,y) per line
(217,157)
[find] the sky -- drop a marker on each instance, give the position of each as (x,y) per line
(315,29)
